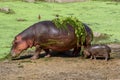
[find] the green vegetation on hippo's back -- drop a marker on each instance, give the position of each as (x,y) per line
(62,22)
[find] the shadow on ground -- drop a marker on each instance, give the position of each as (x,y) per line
(68,54)
(65,54)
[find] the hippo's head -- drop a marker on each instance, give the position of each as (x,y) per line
(18,46)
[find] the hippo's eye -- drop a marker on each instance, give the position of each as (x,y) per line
(15,43)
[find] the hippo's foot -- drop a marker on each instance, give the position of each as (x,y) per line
(106,59)
(91,57)
(47,56)
(34,57)
(94,57)
(76,52)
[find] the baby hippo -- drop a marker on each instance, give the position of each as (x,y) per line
(98,50)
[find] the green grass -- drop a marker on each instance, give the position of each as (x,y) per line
(103,17)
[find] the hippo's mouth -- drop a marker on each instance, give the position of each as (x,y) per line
(17,56)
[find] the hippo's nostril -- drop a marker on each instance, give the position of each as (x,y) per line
(13,54)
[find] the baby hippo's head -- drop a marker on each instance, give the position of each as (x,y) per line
(86,53)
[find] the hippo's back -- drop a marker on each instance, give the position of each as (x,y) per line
(89,36)
(100,48)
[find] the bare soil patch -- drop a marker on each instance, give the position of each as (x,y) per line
(61,67)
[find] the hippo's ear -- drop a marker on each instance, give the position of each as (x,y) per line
(18,38)
(30,43)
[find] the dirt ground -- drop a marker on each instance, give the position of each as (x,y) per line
(63,67)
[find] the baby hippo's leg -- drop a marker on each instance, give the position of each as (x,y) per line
(91,57)
(94,57)
(107,56)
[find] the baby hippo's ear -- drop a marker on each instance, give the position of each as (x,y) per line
(30,43)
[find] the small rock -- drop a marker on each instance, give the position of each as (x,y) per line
(7,10)
(21,19)
(96,34)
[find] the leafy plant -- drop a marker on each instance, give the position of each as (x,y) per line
(62,22)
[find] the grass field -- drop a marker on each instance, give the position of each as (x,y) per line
(103,17)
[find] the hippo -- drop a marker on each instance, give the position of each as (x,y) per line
(98,50)
(44,35)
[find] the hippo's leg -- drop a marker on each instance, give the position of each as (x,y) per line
(47,52)
(107,56)
(91,57)
(94,57)
(76,51)
(87,42)
(36,55)
(87,45)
